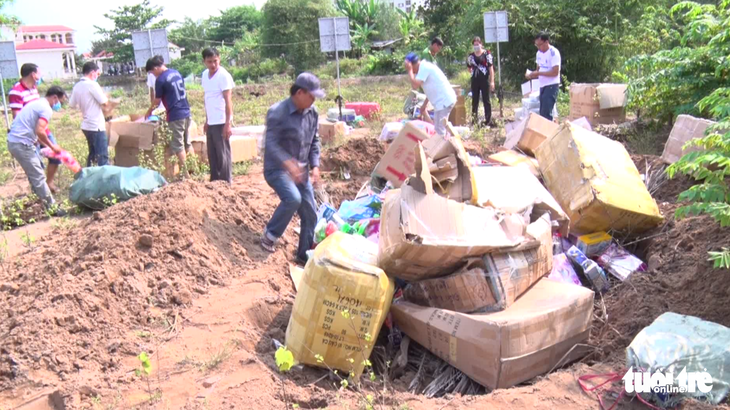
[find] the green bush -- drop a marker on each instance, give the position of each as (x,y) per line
(189,64)
(349,67)
(381,63)
(264,69)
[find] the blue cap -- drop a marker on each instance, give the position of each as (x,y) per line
(412,58)
(310,82)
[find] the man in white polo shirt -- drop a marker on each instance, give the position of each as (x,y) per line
(217,86)
(435,85)
(90,99)
(548,71)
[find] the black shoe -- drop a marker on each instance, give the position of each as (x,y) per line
(300,262)
(60,213)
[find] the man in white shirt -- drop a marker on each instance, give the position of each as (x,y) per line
(435,85)
(548,71)
(218,86)
(90,99)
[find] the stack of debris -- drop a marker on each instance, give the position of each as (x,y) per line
(494,271)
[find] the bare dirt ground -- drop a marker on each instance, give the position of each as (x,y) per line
(179,275)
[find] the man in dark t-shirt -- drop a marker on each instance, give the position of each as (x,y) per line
(170,90)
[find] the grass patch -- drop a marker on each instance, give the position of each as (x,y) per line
(241,168)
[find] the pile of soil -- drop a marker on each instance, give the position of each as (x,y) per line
(70,303)
(679,279)
(358,156)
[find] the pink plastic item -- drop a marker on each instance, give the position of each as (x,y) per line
(366,109)
(424,126)
(65,157)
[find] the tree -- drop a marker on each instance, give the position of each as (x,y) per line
(127,19)
(231,25)
(290,28)
(104,44)
(191,35)
(411,28)
(7,19)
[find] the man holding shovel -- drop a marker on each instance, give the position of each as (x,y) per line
(292,152)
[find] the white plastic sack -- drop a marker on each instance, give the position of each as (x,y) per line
(673,342)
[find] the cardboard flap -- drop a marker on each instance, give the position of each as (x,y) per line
(444,164)
(513,137)
(422,181)
(611,95)
(438,147)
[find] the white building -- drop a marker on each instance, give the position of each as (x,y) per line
(52,48)
(406,5)
(175,51)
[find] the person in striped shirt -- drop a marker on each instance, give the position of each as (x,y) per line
(24,92)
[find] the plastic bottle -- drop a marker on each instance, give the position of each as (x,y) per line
(331,228)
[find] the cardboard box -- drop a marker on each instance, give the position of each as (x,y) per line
(502,349)
(329,131)
(512,273)
(530,133)
(492,283)
(599,103)
(243,148)
(685,129)
(596,183)
(399,161)
(128,131)
(495,187)
(200,147)
(594,244)
(256,131)
(341,275)
(465,291)
(457,117)
(515,159)
(450,182)
(426,236)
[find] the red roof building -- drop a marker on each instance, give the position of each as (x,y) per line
(51,47)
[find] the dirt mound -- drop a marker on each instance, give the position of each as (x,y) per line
(71,303)
(358,156)
(680,279)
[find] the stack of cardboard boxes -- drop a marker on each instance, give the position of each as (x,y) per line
(599,103)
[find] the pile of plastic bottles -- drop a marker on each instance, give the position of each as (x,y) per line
(358,217)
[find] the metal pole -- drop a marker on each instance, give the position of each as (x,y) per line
(337,58)
(499,75)
(149,36)
(5,106)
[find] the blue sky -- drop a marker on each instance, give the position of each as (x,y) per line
(83,15)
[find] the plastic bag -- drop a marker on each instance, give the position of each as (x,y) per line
(94,184)
(65,157)
(563,270)
(362,208)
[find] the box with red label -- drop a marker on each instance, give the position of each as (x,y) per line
(366,109)
(399,162)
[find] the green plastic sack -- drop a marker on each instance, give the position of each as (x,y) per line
(97,187)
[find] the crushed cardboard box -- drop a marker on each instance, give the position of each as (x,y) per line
(511,274)
(399,161)
(491,283)
(256,131)
(538,333)
(442,167)
(530,133)
(599,103)
(596,183)
(466,290)
(686,128)
(425,236)
(496,187)
(515,159)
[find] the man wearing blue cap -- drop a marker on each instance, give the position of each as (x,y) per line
(435,85)
(292,152)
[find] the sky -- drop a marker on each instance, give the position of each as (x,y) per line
(83,15)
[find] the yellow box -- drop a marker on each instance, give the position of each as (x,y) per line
(341,276)
(595,182)
(594,244)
